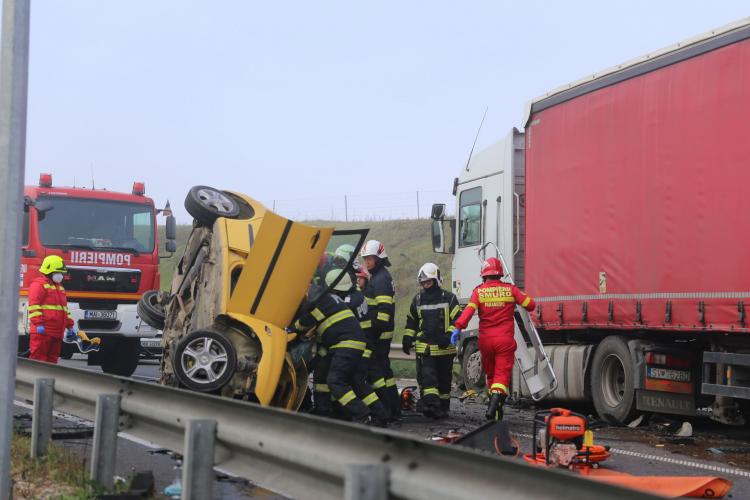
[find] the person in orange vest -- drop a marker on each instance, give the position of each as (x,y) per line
(49,316)
(496,303)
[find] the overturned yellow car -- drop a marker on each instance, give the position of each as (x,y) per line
(245,275)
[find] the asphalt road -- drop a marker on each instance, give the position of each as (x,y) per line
(650,449)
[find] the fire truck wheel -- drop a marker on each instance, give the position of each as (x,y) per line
(204,361)
(120,356)
(206,204)
(612,381)
(150,309)
(471,367)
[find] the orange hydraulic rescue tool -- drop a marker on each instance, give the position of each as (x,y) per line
(562,437)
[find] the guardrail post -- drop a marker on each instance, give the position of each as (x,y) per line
(104,452)
(366,482)
(41,423)
(198,460)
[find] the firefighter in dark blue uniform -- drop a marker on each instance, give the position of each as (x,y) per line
(381,304)
(428,328)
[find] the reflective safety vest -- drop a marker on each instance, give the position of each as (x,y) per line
(48,307)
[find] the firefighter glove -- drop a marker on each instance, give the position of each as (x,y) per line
(454,336)
(406,344)
(70,336)
(40,329)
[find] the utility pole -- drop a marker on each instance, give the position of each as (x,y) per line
(417,204)
(346,209)
(14,84)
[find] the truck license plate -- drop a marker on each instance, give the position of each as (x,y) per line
(152,343)
(111,315)
(667,374)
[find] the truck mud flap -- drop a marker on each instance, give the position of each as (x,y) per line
(665,402)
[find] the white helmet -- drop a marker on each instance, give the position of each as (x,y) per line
(429,271)
(374,247)
(345,283)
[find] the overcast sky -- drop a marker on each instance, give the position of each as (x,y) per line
(306,101)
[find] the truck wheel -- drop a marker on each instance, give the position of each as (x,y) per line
(204,361)
(206,204)
(67,350)
(120,356)
(471,367)
(150,309)
(612,381)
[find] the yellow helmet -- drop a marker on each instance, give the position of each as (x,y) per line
(53,264)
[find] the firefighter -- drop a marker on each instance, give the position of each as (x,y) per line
(495,301)
(379,293)
(340,372)
(430,319)
(49,316)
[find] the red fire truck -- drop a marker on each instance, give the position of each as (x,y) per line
(109,243)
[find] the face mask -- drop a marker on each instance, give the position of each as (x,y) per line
(57,277)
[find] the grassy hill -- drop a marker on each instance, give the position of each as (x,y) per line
(406,241)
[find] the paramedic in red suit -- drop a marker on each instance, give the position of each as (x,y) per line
(49,316)
(495,301)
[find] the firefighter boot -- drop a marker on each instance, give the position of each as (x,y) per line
(495,406)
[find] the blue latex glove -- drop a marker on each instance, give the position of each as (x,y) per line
(40,329)
(454,336)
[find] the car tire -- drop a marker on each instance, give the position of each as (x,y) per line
(120,356)
(206,204)
(150,310)
(204,361)
(471,367)
(613,381)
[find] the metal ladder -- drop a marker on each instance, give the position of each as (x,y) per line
(537,372)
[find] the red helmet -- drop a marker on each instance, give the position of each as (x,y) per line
(492,267)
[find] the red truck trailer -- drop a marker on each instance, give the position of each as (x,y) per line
(624,203)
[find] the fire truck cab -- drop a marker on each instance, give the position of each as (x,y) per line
(109,243)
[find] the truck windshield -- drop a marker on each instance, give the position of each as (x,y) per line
(88,223)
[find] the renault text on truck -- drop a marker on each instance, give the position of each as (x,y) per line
(622,208)
(109,243)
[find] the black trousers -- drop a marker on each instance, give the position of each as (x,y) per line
(346,379)
(381,377)
(434,376)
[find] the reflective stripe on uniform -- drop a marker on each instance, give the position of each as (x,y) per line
(430,391)
(34,314)
(409,332)
(455,311)
(322,351)
(333,319)
(526,302)
(420,346)
(371,302)
(445,396)
(386,335)
(367,354)
(48,308)
(498,387)
(384,299)
(365,324)
(437,351)
(378,383)
(321,388)
(472,305)
(384,316)
(391,382)
(350,344)
(431,307)
(317,314)
(371,399)
(53,287)
(347,398)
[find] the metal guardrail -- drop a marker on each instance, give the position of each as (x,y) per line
(299,455)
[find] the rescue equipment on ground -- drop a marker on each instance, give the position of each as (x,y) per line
(80,339)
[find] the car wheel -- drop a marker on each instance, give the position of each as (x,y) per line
(204,361)
(612,381)
(206,204)
(150,310)
(471,367)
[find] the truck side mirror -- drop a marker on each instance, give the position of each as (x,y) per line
(170,231)
(443,233)
(170,246)
(438,211)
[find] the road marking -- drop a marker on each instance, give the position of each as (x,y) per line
(675,461)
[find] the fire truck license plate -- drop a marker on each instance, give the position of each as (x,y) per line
(100,315)
(666,374)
